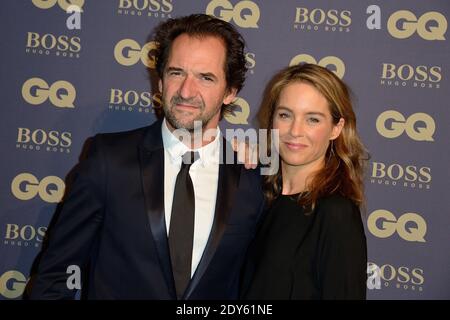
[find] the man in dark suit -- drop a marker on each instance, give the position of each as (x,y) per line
(149,216)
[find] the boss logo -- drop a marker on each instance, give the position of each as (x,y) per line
(18,234)
(245,14)
(41,137)
(420,76)
(66,46)
(127,100)
(36,91)
(397,172)
(164,6)
(407,278)
(332,19)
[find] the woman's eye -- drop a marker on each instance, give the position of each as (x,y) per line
(283,115)
(313,120)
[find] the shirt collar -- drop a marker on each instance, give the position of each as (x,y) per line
(208,154)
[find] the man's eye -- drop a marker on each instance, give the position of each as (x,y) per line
(206,78)
(174,73)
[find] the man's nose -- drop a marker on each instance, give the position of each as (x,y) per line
(188,88)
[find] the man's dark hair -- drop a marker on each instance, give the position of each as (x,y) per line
(204,25)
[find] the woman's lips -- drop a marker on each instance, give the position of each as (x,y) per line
(295,146)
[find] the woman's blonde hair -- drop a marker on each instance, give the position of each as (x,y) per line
(345,156)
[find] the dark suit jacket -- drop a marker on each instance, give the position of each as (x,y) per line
(112,225)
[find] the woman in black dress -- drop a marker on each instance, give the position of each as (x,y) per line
(311,243)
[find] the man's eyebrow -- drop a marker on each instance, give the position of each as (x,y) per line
(208,74)
(173,69)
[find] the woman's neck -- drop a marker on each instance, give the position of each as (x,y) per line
(296,178)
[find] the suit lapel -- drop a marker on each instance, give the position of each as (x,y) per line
(228,182)
(151,153)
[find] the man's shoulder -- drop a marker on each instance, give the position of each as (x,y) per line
(129,138)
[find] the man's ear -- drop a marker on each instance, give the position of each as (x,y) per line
(337,129)
(230,95)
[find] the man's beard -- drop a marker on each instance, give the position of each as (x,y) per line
(178,123)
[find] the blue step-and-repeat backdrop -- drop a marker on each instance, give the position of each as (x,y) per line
(67,75)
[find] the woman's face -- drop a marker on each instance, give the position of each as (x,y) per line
(305,126)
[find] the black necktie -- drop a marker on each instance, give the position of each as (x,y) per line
(181,232)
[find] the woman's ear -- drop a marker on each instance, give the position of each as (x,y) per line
(337,129)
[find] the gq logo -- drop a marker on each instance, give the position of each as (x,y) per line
(64,4)
(239,117)
(128,52)
(336,64)
(12,284)
(389,224)
(399,124)
(248,19)
(26,186)
(430,26)
(36,91)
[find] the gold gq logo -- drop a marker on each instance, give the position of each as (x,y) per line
(64,4)
(239,117)
(336,64)
(227,12)
(128,52)
(36,91)
(399,124)
(430,26)
(26,186)
(390,224)
(12,284)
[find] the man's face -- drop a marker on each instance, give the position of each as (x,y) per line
(194,83)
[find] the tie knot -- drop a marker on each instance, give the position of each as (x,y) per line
(189,158)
